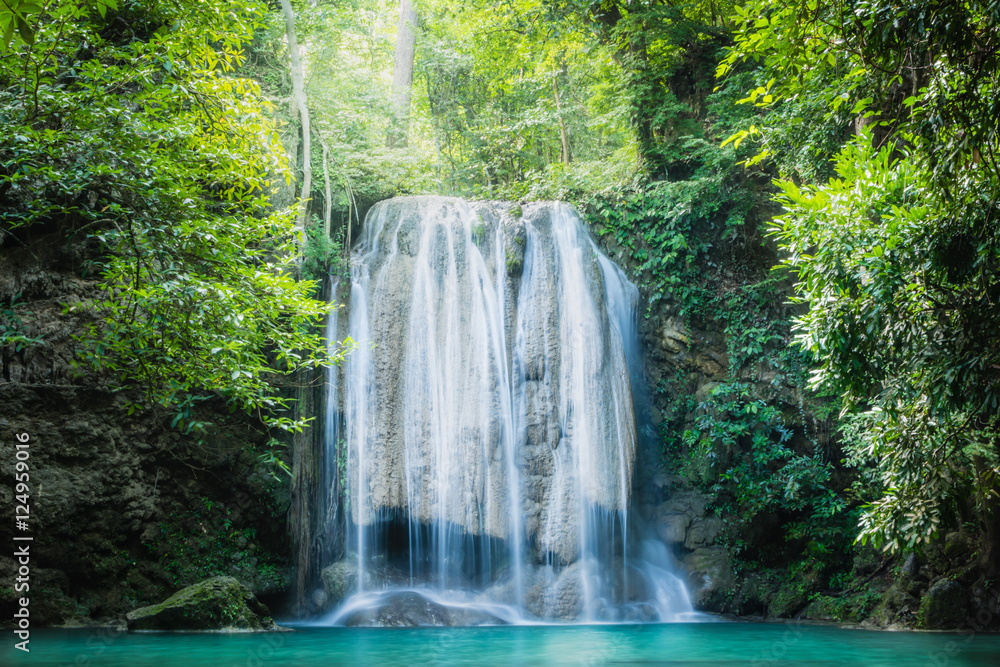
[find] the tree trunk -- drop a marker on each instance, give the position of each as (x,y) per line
(328,207)
(563,136)
(300,109)
(402,73)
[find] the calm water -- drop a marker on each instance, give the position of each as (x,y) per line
(545,646)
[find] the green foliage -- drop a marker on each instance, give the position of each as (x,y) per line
(667,52)
(350,47)
(522,101)
(741,448)
(896,256)
(203,542)
(903,275)
(322,256)
(11,328)
(129,125)
(658,228)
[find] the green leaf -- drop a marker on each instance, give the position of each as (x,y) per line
(24,30)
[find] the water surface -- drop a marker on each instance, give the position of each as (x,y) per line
(702,644)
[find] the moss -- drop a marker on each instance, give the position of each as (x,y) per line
(847,609)
(216,604)
(515,263)
(479,232)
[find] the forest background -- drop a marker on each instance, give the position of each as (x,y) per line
(805,193)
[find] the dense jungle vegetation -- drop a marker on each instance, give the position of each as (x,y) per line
(818,180)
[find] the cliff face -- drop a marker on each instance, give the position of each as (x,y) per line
(123,509)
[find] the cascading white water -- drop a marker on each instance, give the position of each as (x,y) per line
(488,418)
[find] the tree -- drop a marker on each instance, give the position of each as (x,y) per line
(300,108)
(402,73)
(897,257)
(127,125)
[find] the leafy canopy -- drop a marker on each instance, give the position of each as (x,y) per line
(125,122)
(896,256)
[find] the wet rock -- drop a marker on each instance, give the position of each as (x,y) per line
(955,544)
(564,599)
(341,580)
(410,609)
(944,607)
(691,503)
(709,571)
(675,335)
(897,608)
(911,567)
(220,603)
(704,392)
(789,599)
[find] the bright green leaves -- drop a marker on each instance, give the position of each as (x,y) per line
(21,18)
(525,101)
(741,447)
(897,276)
(166,159)
(16,17)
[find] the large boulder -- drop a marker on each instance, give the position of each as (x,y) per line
(220,603)
(672,528)
(944,606)
(406,609)
(344,578)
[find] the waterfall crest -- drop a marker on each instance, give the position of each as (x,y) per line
(484,423)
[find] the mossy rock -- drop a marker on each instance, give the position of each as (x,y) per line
(220,603)
(789,599)
(944,607)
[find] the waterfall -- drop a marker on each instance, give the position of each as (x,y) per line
(487,424)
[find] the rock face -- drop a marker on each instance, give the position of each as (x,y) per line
(944,606)
(114,490)
(488,415)
(345,577)
(340,580)
(709,571)
(221,603)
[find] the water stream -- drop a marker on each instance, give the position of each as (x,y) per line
(483,428)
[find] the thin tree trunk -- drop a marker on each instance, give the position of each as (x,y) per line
(402,73)
(563,135)
(300,109)
(328,207)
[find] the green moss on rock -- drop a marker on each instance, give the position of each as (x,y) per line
(220,603)
(944,607)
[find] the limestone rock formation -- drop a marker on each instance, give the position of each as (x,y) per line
(483,333)
(709,571)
